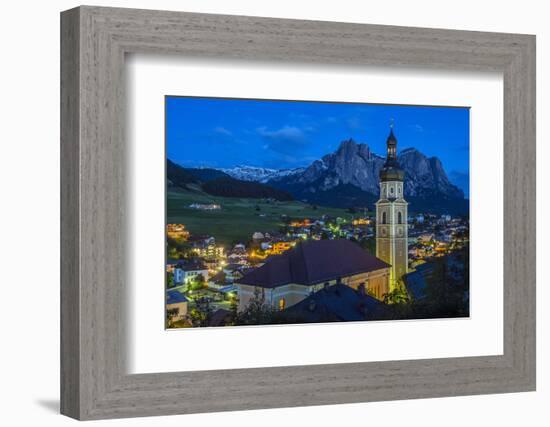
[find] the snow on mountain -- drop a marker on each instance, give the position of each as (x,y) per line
(258,174)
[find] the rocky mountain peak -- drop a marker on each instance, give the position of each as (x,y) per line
(354,163)
(349,148)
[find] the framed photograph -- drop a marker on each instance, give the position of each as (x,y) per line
(279,213)
(288,223)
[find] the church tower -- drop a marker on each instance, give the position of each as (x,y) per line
(391,215)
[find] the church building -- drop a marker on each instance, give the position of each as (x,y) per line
(311,266)
(391,215)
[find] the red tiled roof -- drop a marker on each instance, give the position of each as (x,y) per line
(312,262)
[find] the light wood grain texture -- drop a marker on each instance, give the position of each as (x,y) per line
(94,381)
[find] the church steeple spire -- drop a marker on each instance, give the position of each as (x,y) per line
(391,144)
(391,170)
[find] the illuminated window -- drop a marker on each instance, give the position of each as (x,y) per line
(282,304)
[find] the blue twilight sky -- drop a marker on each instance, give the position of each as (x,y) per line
(217,132)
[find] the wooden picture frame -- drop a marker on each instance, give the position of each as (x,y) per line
(94,382)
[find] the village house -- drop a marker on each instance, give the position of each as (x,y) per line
(238,255)
(361,221)
(287,279)
(186,270)
(217,281)
(205,247)
(177,231)
(171,264)
(176,306)
(232,272)
(282,246)
(257,236)
(426,238)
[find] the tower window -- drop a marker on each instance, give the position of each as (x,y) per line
(391,190)
(383,217)
(399,218)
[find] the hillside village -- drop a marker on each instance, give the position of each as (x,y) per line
(203,274)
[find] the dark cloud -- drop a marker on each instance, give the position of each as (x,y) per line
(287,140)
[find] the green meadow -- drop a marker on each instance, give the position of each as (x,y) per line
(238,219)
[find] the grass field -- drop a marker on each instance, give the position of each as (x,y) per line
(238,218)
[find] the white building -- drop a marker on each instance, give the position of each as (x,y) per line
(185,272)
(257,236)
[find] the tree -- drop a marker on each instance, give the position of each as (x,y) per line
(169,279)
(399,303)
(170,314)
(257,312)
(201,313)
(177,248)
(196,283)
(398,295)
(446,293)
(233,309)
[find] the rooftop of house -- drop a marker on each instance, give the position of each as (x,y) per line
(197,238)
(415,281)
(312,262)
(232,267)
(337,303)
(175,297)
(218,278)
(191,264)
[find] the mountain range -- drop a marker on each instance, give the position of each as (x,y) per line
(217,183)
(349,177)
(257,174)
